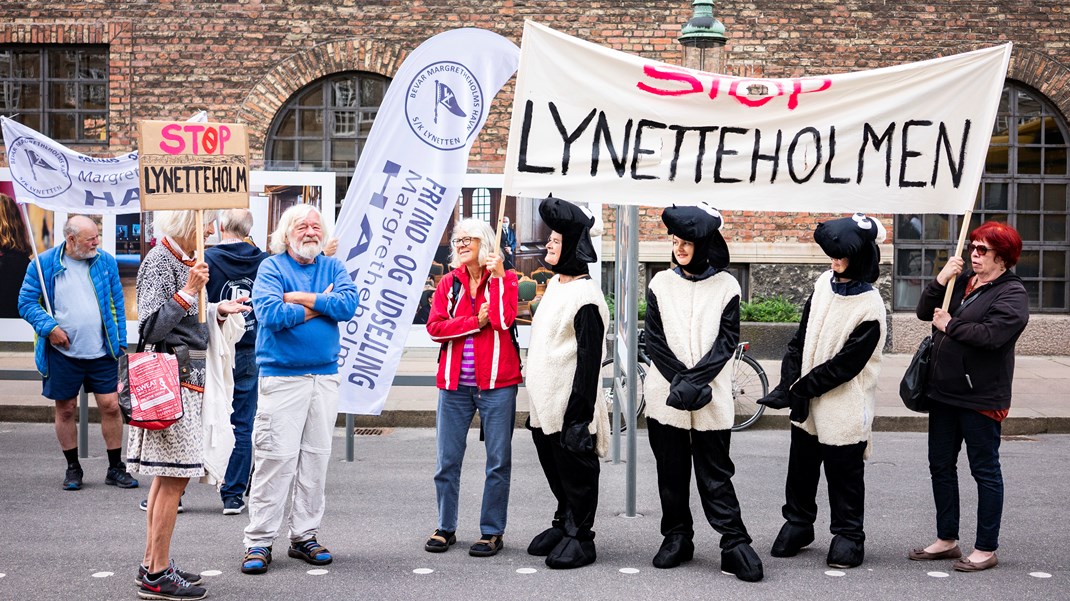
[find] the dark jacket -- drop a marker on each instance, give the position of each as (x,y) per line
(231,272)
(973,362)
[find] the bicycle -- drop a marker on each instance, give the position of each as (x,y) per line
(749,383)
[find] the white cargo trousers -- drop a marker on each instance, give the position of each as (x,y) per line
(292,436)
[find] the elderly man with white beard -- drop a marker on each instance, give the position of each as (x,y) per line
(300,296)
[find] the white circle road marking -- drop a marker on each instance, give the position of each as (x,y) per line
(422,571)
(211,573)
(317,572)
(938,574)
(1033,574)
(526,571)
(629,571)
(102,574)
(835,573)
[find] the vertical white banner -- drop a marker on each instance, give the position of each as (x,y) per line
(403,195)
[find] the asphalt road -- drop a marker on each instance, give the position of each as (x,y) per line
(87,544)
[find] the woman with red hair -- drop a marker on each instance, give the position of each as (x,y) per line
(969,386)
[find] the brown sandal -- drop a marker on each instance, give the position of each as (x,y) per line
(440,541)
(487,546)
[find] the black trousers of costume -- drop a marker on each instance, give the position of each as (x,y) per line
(845,475)
(573,478)
(675,449)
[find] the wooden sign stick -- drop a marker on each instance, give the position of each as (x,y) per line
(202,296)
(958,252)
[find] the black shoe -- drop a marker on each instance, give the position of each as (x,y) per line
(675,550)
(118,476)
(190,577)
(311,551)
(72,480)
(570,553)
(144,505)
(742,562)
(170,587)
(487,545)
(792,538)
(545,542)
(233,506)
(440,541)
(845,553)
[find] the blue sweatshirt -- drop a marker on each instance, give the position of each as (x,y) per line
(286,344)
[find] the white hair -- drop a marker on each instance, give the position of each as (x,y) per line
(476,228)
(236,221)
(180,225)
(280,238)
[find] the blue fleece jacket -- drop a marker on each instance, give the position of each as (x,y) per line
(286,344)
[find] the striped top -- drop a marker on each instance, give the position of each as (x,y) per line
(468,363)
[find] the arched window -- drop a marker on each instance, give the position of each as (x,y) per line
(1025,184)
(324,126)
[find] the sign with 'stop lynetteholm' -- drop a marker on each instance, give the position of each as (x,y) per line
(187,165)
(594,124)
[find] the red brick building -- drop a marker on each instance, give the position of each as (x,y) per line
(306,77)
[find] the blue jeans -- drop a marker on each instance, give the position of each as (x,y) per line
(948,427)
(497,412)
(241,458)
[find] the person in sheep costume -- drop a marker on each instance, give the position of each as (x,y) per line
(568,421)
(829,380)
(692,329)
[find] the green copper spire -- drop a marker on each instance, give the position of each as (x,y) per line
(703,30)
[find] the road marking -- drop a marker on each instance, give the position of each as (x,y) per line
(1033,574)
(102,574)
(835,573)
(629,571)
(317,572)
(422,571)
(938,574)
(211,573)
(526,571)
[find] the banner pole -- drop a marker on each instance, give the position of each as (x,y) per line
(498,234)
(36,259)
(201,296)
(963,230)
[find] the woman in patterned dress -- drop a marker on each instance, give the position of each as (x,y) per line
(168,283)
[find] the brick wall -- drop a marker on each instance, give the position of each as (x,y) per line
(241,60)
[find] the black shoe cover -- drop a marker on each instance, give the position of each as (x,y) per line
(545,541)
(845,553)
(675,550)
(570,553)
(742,562)
(791,539)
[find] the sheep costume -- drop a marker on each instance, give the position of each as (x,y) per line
(692,330)
(568,421)
(829,380)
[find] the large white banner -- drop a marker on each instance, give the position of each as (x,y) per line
(590,123)
(52,176)
(403,195)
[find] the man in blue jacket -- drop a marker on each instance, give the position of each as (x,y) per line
(300,296)
(232,266)
(80,342)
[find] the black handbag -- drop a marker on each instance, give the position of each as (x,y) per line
(912,386)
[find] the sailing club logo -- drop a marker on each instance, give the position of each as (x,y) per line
(444,105)
(47,167)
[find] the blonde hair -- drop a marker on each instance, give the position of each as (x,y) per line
(180,225)
(280,237)
(478,229)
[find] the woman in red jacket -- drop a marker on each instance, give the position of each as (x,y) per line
(472,314)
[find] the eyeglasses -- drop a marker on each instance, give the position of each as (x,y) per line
(981,249)
(461,242)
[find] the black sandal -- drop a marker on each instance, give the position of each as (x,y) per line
(487,546)
(440,541)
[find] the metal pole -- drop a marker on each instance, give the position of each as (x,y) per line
(83,423)
(350,423)
(632,308)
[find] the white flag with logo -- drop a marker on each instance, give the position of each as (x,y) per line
(403,195)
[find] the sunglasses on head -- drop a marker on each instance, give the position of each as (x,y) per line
(981,249)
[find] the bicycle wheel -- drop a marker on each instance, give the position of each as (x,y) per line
(748,385)
(608,393)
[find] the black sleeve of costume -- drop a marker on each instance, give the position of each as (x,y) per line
(724,347)
(844,365)
(657,347)
(791,366)
(590,339)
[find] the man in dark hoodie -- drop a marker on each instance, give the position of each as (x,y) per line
(232,266)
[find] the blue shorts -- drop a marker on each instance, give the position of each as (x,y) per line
(67,375)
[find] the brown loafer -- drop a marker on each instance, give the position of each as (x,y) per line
(965,565)
(923,555)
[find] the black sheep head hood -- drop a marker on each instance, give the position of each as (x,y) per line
(575,225)
(701,226)
(856,239)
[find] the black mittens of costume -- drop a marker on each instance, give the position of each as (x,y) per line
(577,438)
(779,399)
(685,396)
